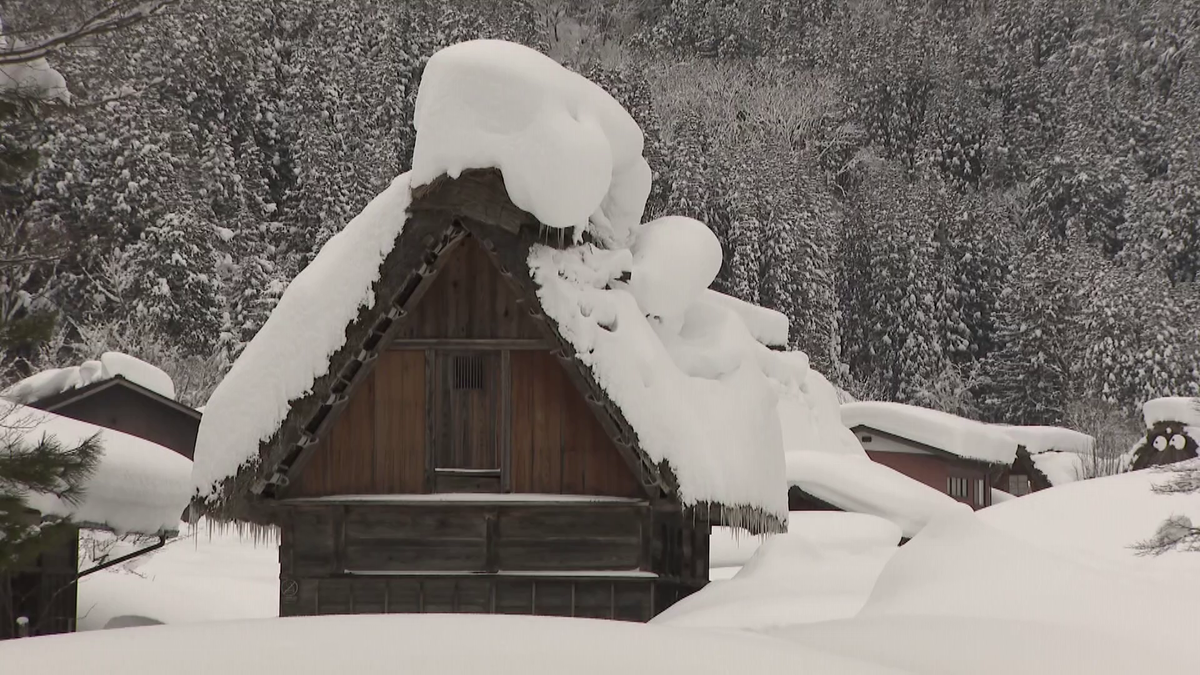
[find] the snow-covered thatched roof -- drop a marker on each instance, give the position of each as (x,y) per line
(684,373)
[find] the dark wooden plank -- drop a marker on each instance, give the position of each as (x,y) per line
(449,482)
(383,522)
(400,422)
(434,554)
(468,344)
(580,554)
(521,421)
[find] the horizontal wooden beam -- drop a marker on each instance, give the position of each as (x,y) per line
(469,343)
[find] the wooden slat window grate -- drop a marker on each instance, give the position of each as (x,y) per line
(469,372)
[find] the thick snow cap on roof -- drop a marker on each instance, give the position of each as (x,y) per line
(1182,409)
(111,364)
(138,486)
(568,151)
(277,368)
(1044,439)
(697,388)
(957,435)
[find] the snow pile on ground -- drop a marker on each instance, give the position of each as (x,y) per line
(111,364)
(822,569)
(694,383)
(203,575)
(568,151)
(421,644)
(957,435)
(138,486)
(1182,409)
(826,461)
(962,590)
(1100,519)
(275,369)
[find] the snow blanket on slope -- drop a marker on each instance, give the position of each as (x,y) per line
(693,382)
(276,368)
(111,364)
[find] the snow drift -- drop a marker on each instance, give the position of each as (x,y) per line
(111,364)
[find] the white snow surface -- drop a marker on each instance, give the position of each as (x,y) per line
(1100,519)
(294,346)
(825,460)
(962,586)
(766,325)
(111,364)
(700,392)
(422,644)
(1043,439)
(568,151)
(859,485)
(206,574)
(1060,468)
(674,261)
(957,435)
(1182,409)
(822,569)
(138,486)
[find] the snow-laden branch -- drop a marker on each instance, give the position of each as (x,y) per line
(112,18)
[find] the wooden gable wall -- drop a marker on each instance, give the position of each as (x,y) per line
(546,438)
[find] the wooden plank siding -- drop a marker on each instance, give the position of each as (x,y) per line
(558,447)
(468,299)
(567,559)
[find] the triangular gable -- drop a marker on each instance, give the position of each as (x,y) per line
(463,293)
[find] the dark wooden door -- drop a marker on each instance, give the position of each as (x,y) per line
(466,452)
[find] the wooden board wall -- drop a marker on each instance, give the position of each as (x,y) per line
(377,446)
(468,299)
(558,446)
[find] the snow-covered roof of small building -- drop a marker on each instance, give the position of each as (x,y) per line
(1038,440)
(110,365)
(683,371)
(1182,409)
(949,433)
(826,461)
(138,486)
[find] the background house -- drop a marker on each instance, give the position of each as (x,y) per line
(960,457)
(138,488)
(1047,456)
(117,392)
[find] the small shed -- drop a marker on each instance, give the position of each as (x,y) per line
(1172,432)
(1046,457)
(492,428)
(117,392)
(138,488)
(958,456)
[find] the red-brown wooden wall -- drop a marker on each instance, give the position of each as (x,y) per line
(379,444)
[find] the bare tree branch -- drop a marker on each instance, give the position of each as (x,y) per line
(113,18)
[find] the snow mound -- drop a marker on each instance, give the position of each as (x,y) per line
(674,261)
(766,325)
(957,435)
(1180,409)
(822,569)
(859,485)
(700,393)
(1100,519)
(950,592)
(207,574)
(428,644)
(825,460)
(568,151)
(275,369)
(138,486)
(111,364)
(1044,439)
